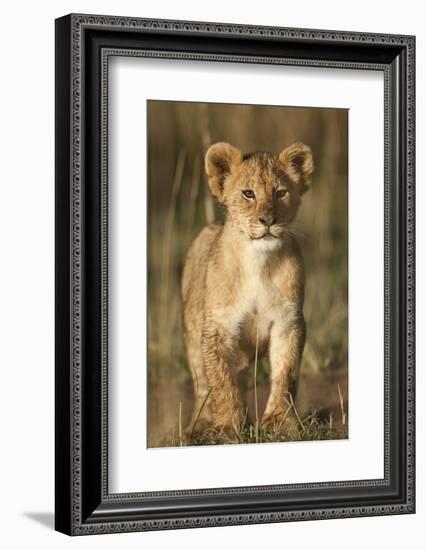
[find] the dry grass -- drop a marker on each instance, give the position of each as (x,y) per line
(312,428)
(180,205)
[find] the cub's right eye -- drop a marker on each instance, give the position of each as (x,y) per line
(248,194)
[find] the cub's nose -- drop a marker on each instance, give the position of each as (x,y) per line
(268,220)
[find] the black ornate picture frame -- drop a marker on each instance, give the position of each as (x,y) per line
(84,43)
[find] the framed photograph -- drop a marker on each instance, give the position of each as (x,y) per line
(234,274)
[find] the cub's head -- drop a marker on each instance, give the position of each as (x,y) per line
(261,192)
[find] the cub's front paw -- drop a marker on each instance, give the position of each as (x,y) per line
(283,421)
(231,422)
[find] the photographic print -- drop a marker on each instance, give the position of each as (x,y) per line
(247,273)
(221,289)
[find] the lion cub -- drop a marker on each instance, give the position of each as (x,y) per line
(243,283)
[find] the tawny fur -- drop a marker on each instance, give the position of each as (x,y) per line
(244,281)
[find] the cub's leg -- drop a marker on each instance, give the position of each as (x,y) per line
(220,354)
(285,354)
(202,415)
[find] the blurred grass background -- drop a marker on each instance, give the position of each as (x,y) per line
(180,204)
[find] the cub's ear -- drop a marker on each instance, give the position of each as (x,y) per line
(299,164)
(219,161)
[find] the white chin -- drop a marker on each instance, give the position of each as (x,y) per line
(266,243)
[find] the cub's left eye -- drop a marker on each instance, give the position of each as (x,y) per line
(248,193)
(280,193)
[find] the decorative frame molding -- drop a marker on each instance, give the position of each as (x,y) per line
(84,44)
